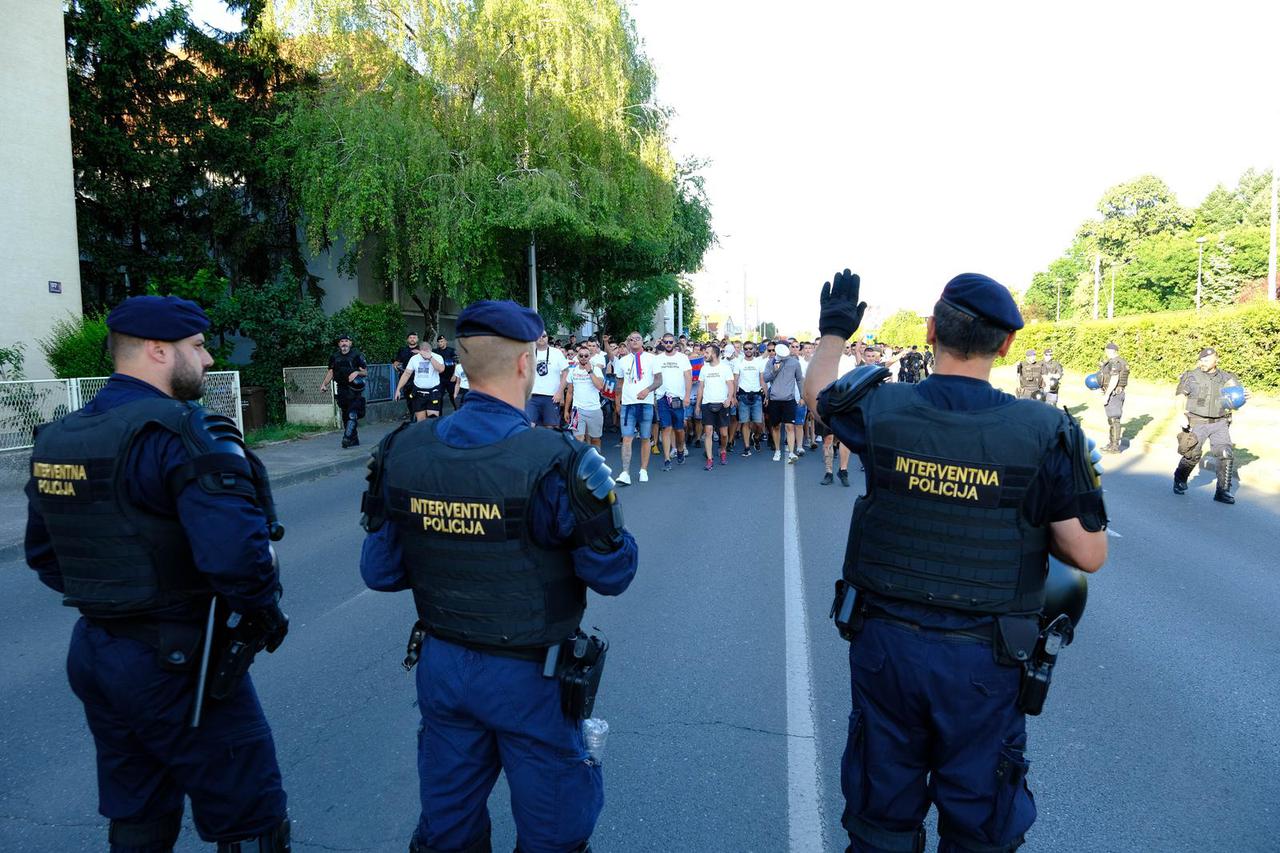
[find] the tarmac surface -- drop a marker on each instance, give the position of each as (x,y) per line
(727,687)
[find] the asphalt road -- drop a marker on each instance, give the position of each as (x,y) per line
(727,688)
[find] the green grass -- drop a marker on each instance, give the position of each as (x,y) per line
(281,432)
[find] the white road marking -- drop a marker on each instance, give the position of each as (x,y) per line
(804,804)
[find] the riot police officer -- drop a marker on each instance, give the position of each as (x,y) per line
(499,567)
(1113,376)
(1053,373)
(1208,413)
(1030,376)
(347,370)
(144,507)
(942,613)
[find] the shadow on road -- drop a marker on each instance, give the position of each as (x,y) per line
(1134,427)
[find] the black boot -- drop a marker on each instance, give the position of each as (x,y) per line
(1223,494)
(276,841)
(826,479)
(1180,475)
(1113,436)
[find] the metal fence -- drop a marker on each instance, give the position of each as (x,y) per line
(25,404)
(305,402)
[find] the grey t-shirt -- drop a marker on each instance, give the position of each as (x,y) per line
(783,376)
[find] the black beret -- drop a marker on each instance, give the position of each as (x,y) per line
(1207,351)
(981,296)
(503,319)
(158,318)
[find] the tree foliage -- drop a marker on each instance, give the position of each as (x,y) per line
(447,135)
(167,124)
(903,329)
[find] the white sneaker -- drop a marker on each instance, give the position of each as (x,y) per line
(800,450)
(777,456)
(791,458)
(624,479)
(644,476)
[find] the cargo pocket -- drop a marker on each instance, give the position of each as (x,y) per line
(853,768)
(1014,809)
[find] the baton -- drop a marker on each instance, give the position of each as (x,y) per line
(198,705)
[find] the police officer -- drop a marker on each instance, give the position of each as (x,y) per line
(1030,376)
(450,357)
(499,567)
(144,507)
(942,609)
(1209,420)
(1053,373)
(348,369)
(912,368)
(1113,376)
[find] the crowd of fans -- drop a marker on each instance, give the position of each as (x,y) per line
(670,396)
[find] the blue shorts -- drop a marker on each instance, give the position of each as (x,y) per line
(637,418)
(802,412)
(670,415)
(750,412)
(542,410)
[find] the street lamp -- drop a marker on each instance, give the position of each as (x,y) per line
(1200,241)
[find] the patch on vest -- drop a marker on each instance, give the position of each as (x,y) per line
(946,480)
(61,479)
(455,516)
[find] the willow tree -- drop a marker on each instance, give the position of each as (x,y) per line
(448,134)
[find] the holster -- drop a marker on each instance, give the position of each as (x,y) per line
(1015,639)
(1037,672)
(846,610)
(1187,442)
(578,663)
(413,649)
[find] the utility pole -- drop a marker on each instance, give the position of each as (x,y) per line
(1271,255)
(744,303)
(533,272)
(1097,281)
(679,313)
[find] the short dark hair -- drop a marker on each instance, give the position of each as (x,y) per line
(965,334)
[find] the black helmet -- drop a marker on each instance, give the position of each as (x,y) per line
(357,383)
(1066,590)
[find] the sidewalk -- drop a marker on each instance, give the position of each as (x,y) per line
(288,462)
(1153,415)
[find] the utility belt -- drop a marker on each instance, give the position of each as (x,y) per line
(578,663)
(1016,640)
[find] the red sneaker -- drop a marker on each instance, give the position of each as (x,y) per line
(724,458)
(709,465)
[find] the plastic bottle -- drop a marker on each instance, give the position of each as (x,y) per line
(595,732)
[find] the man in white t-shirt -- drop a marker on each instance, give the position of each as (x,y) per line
(549,369)
(673,396)
(639,378)
(424,371)
(461,385)
(582,402)
(716,389)
(749,374)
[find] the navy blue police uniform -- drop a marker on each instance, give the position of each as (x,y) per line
(510,545)
(351,402)
(948,545)
(138,520)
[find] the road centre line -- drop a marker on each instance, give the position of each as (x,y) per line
(804,804)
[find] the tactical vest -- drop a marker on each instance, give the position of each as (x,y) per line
(1029,374)
(116,559)
(344,366)
(1204,392)
(478,577)
(942,521)
(1114,367)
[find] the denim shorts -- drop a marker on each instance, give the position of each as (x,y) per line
(750,412)
(670,415)
(637,418)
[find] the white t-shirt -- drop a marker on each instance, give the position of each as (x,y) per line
(424,371)
(672,367)
(715,379)
(804,368)
(548,365)
(599,360)
(847,363)
(635,376)
(585,394)
(750,374)
(461,375)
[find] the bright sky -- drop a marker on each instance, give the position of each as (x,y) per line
(913,141)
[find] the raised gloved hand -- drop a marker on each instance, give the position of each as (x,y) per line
(841,311)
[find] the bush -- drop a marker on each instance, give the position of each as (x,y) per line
(77,347)
(377,331)
(287,327)
(1161,346)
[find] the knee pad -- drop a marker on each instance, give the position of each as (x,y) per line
(158,835)
(275,841)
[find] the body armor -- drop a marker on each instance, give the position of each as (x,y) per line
(1204,392)
(1113,367)
(942,521)
(117,560)
(478,577)
(1029,374)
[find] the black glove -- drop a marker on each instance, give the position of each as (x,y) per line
(841,311)
(274,625)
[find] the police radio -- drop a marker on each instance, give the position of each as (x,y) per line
(845,610)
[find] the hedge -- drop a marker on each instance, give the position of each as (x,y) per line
(1161,346)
